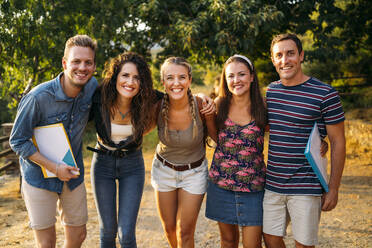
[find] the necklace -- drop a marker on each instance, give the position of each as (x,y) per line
(123,115)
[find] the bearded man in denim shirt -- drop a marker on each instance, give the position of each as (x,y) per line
(65,99)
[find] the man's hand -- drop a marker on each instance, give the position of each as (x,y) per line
(62,171)
(323,148)
(66,173)
(329,200)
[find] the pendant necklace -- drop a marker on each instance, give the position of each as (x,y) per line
(123,115)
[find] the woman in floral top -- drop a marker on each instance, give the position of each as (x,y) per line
(237,174)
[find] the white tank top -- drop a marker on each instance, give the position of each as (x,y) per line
(118,133)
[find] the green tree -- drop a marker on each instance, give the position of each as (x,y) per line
(33,34)
(341,44)
(207,32)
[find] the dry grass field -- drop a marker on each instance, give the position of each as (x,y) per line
(349,225)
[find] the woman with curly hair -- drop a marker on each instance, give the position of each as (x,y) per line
(179,170)
(122,110)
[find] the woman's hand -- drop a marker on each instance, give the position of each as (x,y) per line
(209,107)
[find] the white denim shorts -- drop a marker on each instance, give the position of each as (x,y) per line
(302,210)
(165,179)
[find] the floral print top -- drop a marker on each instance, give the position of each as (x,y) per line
(238,163)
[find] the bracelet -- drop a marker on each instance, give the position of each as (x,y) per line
(57,166)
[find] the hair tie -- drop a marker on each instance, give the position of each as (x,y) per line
(243,57)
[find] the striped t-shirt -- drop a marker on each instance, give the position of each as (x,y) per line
(292,112)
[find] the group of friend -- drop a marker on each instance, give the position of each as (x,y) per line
(241,190)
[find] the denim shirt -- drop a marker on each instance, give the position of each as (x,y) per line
(44,105)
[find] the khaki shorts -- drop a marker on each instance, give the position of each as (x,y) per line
(165,179)
(41,206)
(302,210)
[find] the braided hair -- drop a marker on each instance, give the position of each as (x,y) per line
(165,107)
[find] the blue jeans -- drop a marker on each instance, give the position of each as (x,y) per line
(129,173)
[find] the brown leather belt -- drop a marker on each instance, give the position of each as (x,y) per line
(180,167)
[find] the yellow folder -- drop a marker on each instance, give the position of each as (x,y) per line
(53,143)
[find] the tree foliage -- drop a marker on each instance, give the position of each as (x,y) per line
(33,34)
(341,45)
(212,30)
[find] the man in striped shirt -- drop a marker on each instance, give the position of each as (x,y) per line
(293,191)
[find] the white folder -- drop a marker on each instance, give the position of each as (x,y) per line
(317,162)
(53,143)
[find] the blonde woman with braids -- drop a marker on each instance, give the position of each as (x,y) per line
(179,171)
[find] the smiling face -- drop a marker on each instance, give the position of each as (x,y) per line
(78,66)
(287,61)
(128,80)
(176,81)
(238,78)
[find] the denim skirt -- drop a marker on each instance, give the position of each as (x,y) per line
(232,207)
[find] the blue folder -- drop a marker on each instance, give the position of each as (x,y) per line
(317,162)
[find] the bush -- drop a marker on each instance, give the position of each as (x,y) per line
(356,98)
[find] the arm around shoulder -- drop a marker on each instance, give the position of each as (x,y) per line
(209,118)
(154,117)
(210,121)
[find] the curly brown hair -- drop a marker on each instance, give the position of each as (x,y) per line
(142,104)
(258,107)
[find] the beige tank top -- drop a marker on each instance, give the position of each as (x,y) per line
(180,147)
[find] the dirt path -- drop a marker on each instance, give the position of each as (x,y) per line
(349,225)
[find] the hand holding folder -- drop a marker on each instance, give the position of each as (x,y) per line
(317,162)
(53,143)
